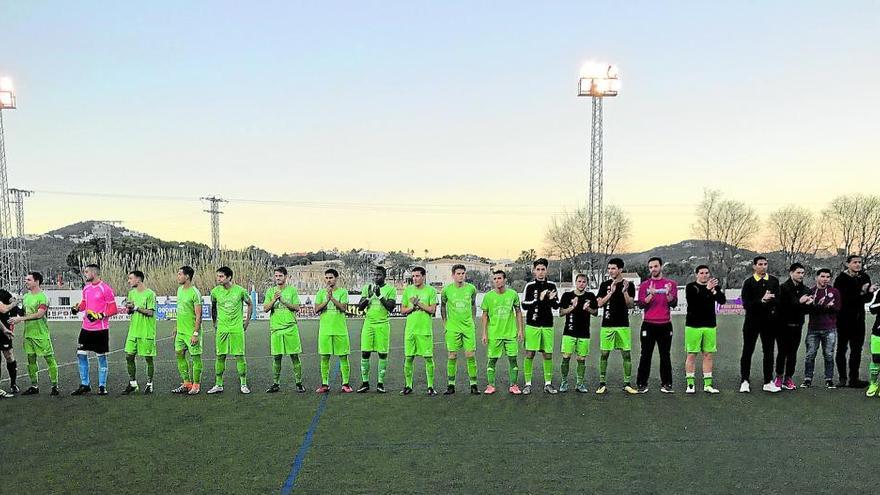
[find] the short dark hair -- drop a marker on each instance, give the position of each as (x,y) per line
(225,270)
(852,257)
(139,274)
(795,266)
(188,271)
(380,268)
(418,269)
(500,272)
(97,268)
(655,258)
(758,258)
(281,270)
(616,262)
(540,261)
(580,275)
(701,267)
(820,271)
(331,271)
(37,276)
(5,296)
(458,266)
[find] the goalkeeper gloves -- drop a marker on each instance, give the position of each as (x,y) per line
(92,316)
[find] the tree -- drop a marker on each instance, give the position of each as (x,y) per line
(358,267)
(526,257)
(794,232)
(397,264)
(855,226)
(567,236)
(731,224)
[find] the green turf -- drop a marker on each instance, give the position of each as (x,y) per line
(808,440)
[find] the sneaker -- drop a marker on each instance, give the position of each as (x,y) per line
(274,389)
(475,390)
(872,390)
(643,389)
(430,392)
(364,388)
(527,389)
(691,389)
(667,389)
(130,389)
(406,391)
(602,389)
(300,389)
(323,389)
(450,389)
(216,389)
(514,389)
(582,388)
(55,392)
(32,390)
(771,387)
(244,389)
(489,390)
(148,389)
(182,389)
(563,386)
(856,383)
(788,384)
(102,390)
(380,388)
(629,389)
(744,387)
(5,395)
(842,383)
(14,390)
(709,389)
(809,383)
(828,384)
(778,382)
(550,389)
(194,389)
(346,389)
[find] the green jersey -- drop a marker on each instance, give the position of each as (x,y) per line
(35,329)
(281,318)
(501,309)
(376,312)
(459,303)
(332,321)
(230,315)
(142,326)
(187,300)
(419,322)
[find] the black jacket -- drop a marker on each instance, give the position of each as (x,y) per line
(752,293)
(539,313)
(851,296)
(791,311)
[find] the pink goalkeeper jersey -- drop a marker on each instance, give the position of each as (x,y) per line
(658,310)
(100,299)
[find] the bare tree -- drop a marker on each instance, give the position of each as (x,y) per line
(854,222)
(567,236)
(795,232)
(564,239)
(727,226)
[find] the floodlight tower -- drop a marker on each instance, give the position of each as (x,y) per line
(598,81)
(8,277)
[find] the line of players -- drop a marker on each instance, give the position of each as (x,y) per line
(774,313)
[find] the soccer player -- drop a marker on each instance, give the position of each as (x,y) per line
(36,334)
(282,304)
(331,303)
(502,330)
(141,340)
(539,301)
(458,309)
(700,324)
(616,297)
(98,304)
(377,301)
(8,310)
(874,385)
(760,296)
(656,296)
(187,334)
(795,301)
(855,290)
(419,303)
(822,328)
(230,324)
(576,306)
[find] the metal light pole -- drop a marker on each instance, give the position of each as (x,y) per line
(215,212)
(9,280)
(21,259)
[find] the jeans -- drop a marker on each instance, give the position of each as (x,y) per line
(661,334)
(828,339)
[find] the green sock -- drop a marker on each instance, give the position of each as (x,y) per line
(429,371)
(276,369)
(365,368)
(690,379)
(383,366)
(408,371)
(297,368)
(564,367)
(182,367)
(707,379)
(512,370)
(344,369)
(219,368)
(150,368)
(32,369)
(132,368)
(490,371)
(627,366)
(874,371)
(472,370)
(325,369)
(582,372)
(451,365)
(197,368)
(527,369)
(241,367)
(53,369)
(603,367)
(548,369)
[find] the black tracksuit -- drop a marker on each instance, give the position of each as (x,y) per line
(791,323)
(761,321)
(539,313)
(851,322)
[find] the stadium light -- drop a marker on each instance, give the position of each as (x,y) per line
(599,79)
(7,94)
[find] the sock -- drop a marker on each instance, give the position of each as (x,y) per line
(490,371)
(690,379)
(408,371)
(182,367)
(241,367)
(150,368)
(472,370)
(325,369)
(130,365)
(344,369)
(874,371)
(219,368)
(548,370)
(527,367)
(451,365)
(512,370)
(564,367)
(12,368)
(103,370)
(627,366)
(429,371)
(365,367)
(603,366)
(33,369)
(297,368)
(581,372)
(53,369)
(707,379)
(383,366)
(83,363)
(276,369)
(197,368)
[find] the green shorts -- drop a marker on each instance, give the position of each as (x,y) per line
(333,345)
(285,342)
(499,347)
(539,339)
(612,338)
(700,339)
(40,347)
(230,344)
(418,345)
(457,340)
(574,345)
(140,346)
(376,337)
(183,342)
(875,344)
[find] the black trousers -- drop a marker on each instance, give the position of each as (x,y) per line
(789,341)
(851,335)
(766,330)
(660,334)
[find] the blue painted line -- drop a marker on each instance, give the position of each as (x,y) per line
(290,482)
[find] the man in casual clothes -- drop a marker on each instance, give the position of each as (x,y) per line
(855,290)
(822,328)
(760,294)
(794,302)
(656,296)
(700,330)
